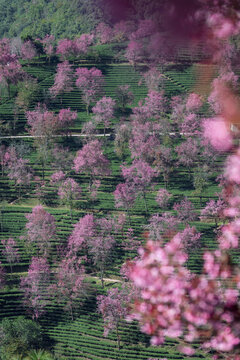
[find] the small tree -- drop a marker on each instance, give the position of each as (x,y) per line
(201,180)
(185,211)
(101,245)
(48,45)
(18,336)
(90,160)
(190,238)
(96,237)
(114,308)
(122,136)
(19,170)
(103,111)
(213,210)
(104,33)
(63,81)
(10,251)
(34,286)
(164,162)
(163,197)
(162,225)
(66,119)
(27,92)
(154,79)
(139,176)
(90,83)
(43,124)
(188,153)
(41,229)
(28,50)
(134,52)
(125,196)
(124,96)
(69,288)
(144,141)
(83,231)
(69,191)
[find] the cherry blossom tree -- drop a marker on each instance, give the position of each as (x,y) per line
(124,96)
(63,81)
(82,43)
(144,141)
(114,308)
(101,246)
(34,287)
(154,79)
(43,125)
(201,180)
(48,45)
(89,129)
(152,108)
(65,48)
(139,176)
(96,236)
(164,162)
(90,83)
(10,251)
(134,52)
(91,161)
(104,33)
(40,229)
(104,111)
(214,209)
(83,231)
(28,50)
(174,302)
(69,288)
(163,197)
(10,68)
(69,191)
(131,242)
(188,153)
(125,196)
(18,170)
(122,136)
(162,225)
(190,238)
(66,118)
(185,211)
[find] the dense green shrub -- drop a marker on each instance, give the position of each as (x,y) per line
(17,336)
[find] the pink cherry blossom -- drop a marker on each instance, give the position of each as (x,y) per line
(217,132)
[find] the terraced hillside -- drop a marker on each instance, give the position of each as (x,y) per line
(83,337)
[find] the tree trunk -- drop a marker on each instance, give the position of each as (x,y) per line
(71,312)
(101,277)
(129,218)
(70,210)
(8,87)
(145,202)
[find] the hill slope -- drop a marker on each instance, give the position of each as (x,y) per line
(37,18)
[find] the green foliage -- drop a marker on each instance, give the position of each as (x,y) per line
(36,18)
(27,91)
(18,336)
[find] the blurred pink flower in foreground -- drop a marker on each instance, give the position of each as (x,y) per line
(217,132)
